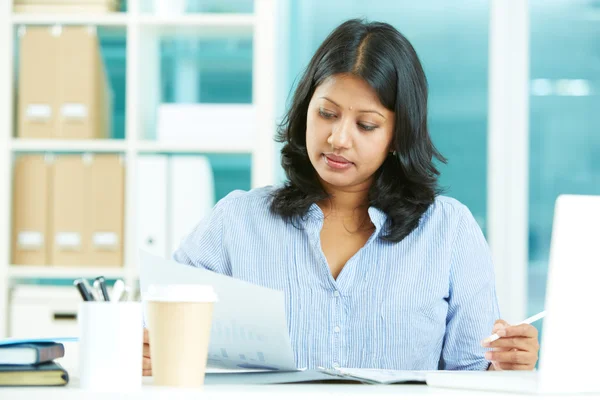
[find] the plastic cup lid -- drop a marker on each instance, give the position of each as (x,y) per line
(181,293)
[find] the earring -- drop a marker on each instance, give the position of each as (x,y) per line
(393,153)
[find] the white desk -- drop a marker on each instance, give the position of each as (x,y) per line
(346,391)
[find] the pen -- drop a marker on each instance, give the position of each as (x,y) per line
(527,321)
(83,291)
(96,291)
(117,291)
(126,293)
(90,288)
(102,287)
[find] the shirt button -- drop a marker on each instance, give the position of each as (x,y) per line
(336,294)
(336,365)
(337,329)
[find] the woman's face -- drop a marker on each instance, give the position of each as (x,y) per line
(348,132)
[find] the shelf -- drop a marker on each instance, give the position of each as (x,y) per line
(144,37)
(204,25)
(119,19)
(150,146)
(69,146)
(52,272)
(117,146)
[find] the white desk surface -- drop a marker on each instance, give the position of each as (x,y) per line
(313,391)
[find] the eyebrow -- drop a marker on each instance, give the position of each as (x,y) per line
(360,111)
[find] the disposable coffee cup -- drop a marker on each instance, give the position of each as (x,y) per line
(179,319)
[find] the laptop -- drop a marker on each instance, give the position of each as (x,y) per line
(570,355)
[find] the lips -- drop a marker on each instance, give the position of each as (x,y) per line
(337,163)
(335,158)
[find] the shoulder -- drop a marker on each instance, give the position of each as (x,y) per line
(241,201)
(449,217)
(447,209)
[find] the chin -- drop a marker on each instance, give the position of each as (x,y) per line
(337,179)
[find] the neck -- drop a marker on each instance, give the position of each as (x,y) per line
(346,202)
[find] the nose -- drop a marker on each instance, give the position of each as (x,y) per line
(341,134)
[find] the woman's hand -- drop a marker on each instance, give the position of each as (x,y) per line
(517,348)
(146,363)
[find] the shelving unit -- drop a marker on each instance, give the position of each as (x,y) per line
(149,146)
(226,23)
(76,146)
(113,19)
(142,31)
(58,272)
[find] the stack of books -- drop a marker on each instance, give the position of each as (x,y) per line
(66,6)
(27,363)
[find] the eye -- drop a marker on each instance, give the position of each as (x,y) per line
(368,128)
(325,114)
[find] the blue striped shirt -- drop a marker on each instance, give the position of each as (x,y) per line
(421,304)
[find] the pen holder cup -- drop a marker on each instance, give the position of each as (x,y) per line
(110,348)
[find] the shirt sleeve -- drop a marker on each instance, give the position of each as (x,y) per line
(204,246)
(472,302)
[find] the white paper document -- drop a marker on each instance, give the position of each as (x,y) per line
(249,342)
(369,376)
(384,376)
(249,322)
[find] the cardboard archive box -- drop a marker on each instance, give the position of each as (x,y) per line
(31,228)
(66,6)
(88,210)
(68,211)
(105,210)
(38,86)
(63,87)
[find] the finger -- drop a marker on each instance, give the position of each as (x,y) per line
(511,357)
(496,366)
(518,343)
(146,336)
(495,363)
(499,324)
(523,330)
(146,351)
(513,367)
(146,363)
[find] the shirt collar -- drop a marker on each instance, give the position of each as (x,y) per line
(378,217)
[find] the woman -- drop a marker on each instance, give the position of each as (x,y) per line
(378,270)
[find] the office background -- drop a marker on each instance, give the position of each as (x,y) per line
(453,41)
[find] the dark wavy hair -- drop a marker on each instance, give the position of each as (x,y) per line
(406,183)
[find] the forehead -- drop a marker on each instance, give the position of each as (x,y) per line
(348,91)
